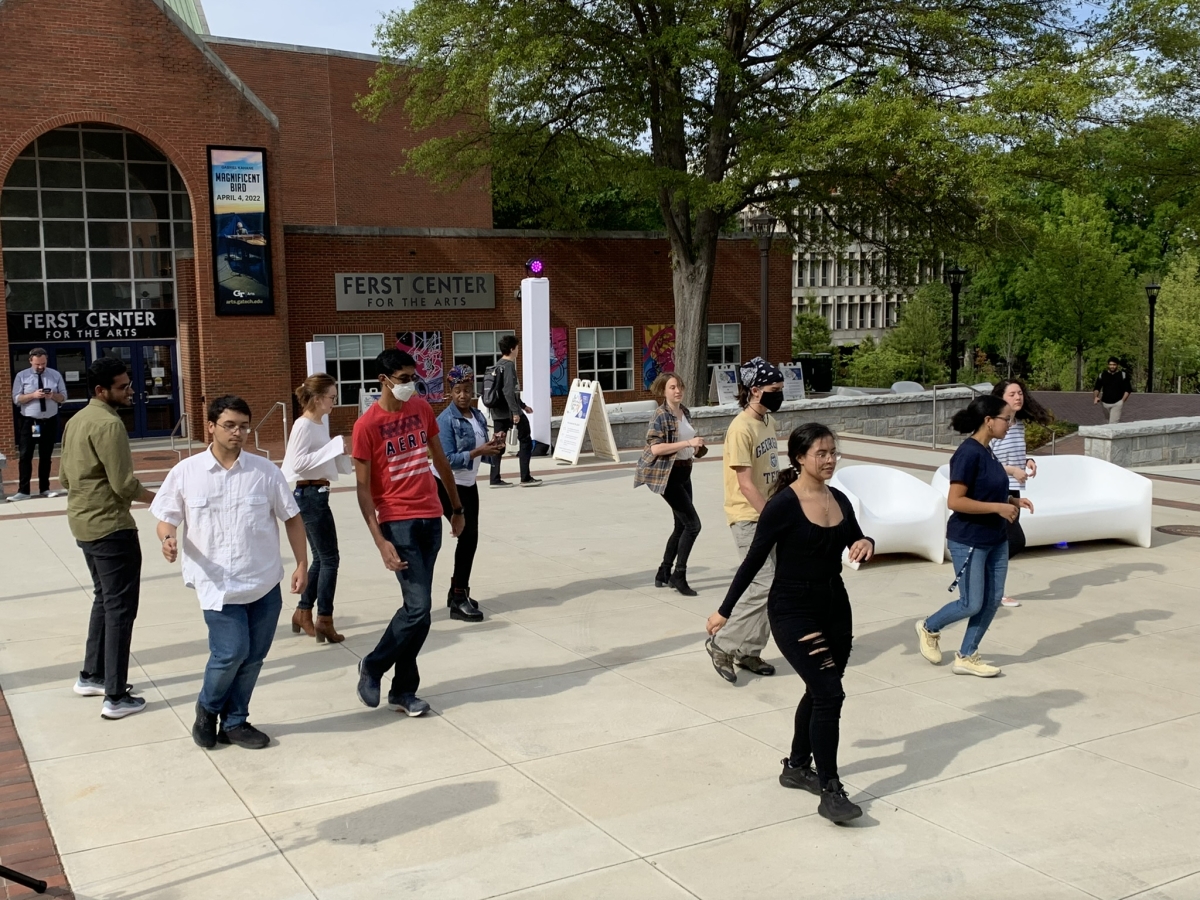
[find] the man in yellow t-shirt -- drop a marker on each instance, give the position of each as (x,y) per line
(751,468)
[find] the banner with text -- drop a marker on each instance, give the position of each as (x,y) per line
(90,325)
(241,230)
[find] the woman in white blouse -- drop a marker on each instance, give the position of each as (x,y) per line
(311,464)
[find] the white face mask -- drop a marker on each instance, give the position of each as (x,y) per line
(404,392)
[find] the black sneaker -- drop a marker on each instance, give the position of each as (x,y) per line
(802,777)
(500,484)
(755,664)
(722,661)
(244,735)
(368,687)
(835,805)
(125,705)
(204,729)
(408,703)
(532,482)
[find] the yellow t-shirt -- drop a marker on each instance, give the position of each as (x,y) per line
(750,441)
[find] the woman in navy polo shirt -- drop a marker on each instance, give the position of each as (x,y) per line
(977,534)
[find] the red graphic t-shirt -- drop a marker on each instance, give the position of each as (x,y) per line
(397,446)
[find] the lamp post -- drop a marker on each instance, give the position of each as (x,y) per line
(1152,290)
(764,226)
(954,276)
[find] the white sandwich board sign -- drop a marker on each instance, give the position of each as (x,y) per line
(585,414)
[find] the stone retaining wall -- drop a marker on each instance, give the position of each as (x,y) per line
(1157,442)
(905,416)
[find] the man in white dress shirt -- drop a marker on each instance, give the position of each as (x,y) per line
(36,393)
(229,502)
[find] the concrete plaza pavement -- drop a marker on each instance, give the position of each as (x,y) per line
(581,745)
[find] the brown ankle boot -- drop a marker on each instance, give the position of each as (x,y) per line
(326,631)
(302,620)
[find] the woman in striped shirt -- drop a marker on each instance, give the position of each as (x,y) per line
(1012,453)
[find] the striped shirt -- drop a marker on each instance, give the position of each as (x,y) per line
(1010,450)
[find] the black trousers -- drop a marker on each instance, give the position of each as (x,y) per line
(468,541)
(817,646)
(115,562)
(524,451)
(687,521)
(43,444)
(1016,534)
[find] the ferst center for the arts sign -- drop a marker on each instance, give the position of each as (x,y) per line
(91,325)
(410,290)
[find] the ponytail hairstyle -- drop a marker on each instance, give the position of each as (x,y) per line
(970,419)
(743,397)
(799,443)
(313,387)
(1031,411)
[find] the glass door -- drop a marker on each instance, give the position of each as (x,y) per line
(151,367)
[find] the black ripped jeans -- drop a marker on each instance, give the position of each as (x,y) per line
(687,521)
(813,628)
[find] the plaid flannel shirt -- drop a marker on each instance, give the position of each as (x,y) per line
(654,471)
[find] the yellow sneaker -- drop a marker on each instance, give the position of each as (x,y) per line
(928,643)
(973,665)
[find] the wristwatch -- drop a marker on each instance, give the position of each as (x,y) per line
(457,512)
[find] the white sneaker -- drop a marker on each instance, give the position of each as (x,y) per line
(928,643)
(125,706)
(973,665)
(1009,602)
(13,498)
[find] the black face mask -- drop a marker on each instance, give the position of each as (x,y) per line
(772,400)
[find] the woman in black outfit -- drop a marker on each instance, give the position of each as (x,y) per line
(809,524)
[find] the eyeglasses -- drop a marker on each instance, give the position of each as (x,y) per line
(827,455)
(1005,419)
(234,428)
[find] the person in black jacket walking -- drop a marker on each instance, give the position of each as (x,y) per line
(512,412)
(1113,387)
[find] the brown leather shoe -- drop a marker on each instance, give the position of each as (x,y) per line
(326,631)
(302,620)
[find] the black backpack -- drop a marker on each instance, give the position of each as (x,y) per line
(493,394)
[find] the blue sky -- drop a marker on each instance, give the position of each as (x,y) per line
(339,24)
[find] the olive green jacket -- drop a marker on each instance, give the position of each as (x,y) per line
(96,469)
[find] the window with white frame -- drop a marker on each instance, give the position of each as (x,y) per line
(350,358)
(605,355)
(724,345)
(478,350)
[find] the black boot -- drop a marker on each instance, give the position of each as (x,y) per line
(461,608)
(679,582)
(663,576)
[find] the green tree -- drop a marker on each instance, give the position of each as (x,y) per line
(923,331)
(1177,325)
(885,115)
(811,334)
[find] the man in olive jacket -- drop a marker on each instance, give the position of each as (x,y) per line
(97,470)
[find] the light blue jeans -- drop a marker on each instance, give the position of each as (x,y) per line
(980,589)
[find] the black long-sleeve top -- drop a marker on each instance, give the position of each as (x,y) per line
(805,553)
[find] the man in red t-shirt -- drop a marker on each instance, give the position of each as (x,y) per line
(393,444)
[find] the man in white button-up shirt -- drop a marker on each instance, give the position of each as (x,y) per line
(230,502)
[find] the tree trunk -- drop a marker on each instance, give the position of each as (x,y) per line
(691,282)
(1078,368)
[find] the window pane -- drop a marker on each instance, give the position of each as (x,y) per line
(485,342)
(112,295)
(177,182)
(183,235)
(714,355)
(464,344)
(67,295)
(151,234)
(22,174)
(330,342)
(64,234)
(104,205)
(604,359)
(732,353)
(105,175)
(110,264)
(625,337)
(60,174)
(103,145)
(585,338)
(587,361)
(26,296)
(152,265)
(624,359)
(350,370)
(149,206)
(604,337)
(370,370)
(349,346)
(623,381)
(733,334)
(147,177)
(62,142)
(154,294)
(22,265)
(22,204)
(108,234)
(372,345)
(66,264)
(606,380)
(181,207)
(139,149)
(716,334)
(349,394)
(19,234)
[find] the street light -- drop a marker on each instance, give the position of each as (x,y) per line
(1152,290)
(764,226)
(954,276)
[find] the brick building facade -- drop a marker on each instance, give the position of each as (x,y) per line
(132,74)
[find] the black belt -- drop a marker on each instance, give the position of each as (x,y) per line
(324,482)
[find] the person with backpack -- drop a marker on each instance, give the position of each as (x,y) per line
(502,395)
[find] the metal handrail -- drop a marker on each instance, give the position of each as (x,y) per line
(182,432)
(263,421)
(935,389)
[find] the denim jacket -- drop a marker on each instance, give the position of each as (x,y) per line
(458,435)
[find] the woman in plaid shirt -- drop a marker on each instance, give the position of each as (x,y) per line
(666,467)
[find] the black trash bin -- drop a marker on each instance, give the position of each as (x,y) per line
(818,373)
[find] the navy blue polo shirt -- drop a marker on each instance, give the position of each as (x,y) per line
(977,467)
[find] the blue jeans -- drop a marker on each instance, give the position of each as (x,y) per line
(239,637)
(417,541)
(322,537)
(980,589)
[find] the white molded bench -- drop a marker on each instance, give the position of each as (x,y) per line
(902,513)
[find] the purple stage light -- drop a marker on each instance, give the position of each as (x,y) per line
(535,266)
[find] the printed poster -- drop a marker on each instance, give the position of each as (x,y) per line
(426,348)
(658,352)
(241,231)
(559,382)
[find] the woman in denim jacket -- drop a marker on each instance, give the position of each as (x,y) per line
(666,468)
(463,433)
